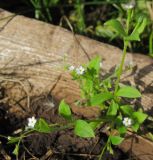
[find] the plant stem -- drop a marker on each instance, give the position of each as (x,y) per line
(103,150)
(129,16)
(121,66)
(3,136)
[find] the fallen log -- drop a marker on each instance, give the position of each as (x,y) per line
(32,59)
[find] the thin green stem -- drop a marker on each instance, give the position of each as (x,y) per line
(18,148)
(126,43)
(27,132)
(3,136)
(121,66)
(151,44)
(103,150)
(129,15)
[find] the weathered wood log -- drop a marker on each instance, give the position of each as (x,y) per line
(142,148)
(33,55)
(37,51)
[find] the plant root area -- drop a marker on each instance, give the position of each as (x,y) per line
(58,145)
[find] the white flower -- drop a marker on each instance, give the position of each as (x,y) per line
(8,138)
(80,70)
(31,122)
(127,122)
(129,5)
(71,68)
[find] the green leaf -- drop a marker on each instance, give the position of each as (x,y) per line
(64,110)
(88,86)
(118,120)
(109,148)
(117,26)
(42,126)
(12,140)
(100,98)
(128,92)
(139,116)
(122,129)
(107,83)
(141,24)
(83,129)
(119,125)
(95,63)
(116,140)
(135,127)
(16,150)
(135,36)
(105,31)
(139,28)
(112,110)
(127,109)
(94,125)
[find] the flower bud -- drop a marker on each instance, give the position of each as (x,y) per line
(131,4)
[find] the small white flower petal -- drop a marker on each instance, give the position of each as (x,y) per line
(71,68)
(31,122)
(80,70)
(129,5)
(127,122)
(9,138)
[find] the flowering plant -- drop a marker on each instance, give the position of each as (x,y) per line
(108,93)
(104,92)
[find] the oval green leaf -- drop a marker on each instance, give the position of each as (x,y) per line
(83,129)
(16,150)
(135,126)
(116,140)
(128,92)
(42,126)
(113,108)
(95,63)
(139,116)
(100,98)
(64,110)
(95,124)
(117,26)
(127,109)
